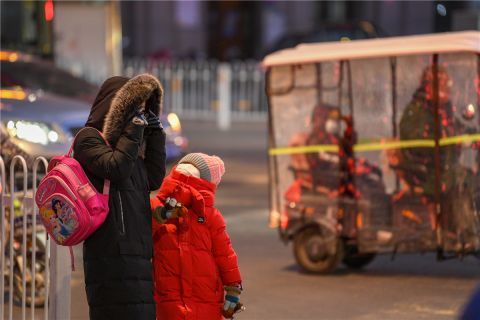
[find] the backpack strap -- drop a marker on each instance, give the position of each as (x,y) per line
(70,151)
(106,183)
(106,187)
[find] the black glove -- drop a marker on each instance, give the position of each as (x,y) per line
(153,121)
(135,127)
(139,119)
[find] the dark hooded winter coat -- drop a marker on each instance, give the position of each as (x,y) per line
(117,257)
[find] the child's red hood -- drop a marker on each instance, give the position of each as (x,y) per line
(192,192)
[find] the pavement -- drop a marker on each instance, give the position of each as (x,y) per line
(412,286)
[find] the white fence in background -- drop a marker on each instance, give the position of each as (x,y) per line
(208,89)
(35,279)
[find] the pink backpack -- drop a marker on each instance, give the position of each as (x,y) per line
(71,209)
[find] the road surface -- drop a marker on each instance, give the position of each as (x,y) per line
(409,287)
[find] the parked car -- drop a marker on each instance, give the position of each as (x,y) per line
(43,107)
(29,72)
(37,123)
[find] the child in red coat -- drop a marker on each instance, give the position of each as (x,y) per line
(194,261)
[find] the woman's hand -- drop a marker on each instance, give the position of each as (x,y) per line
(153,122)
(139,119)
(134,129)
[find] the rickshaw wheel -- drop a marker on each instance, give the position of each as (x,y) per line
(355,260)
(317,252)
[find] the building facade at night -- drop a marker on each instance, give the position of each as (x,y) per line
(231,30)
(248,30)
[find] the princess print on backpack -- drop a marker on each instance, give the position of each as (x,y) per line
(66,216)
(60,218)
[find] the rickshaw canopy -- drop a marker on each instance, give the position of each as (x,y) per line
(465,41)
(378,142)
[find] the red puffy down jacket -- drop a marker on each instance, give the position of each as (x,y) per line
(193,255)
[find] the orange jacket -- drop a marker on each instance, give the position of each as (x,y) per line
(193,255)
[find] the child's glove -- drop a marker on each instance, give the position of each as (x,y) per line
(232,301)
(172,209)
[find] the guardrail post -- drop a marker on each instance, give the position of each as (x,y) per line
(37,162)
(57,306)
(23,163)
(178,90)
(60,282)
(224,119)
(2,236)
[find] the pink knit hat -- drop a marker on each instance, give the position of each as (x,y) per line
(211,168)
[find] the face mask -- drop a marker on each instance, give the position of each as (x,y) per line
(331,126)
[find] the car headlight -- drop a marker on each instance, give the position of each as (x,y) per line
(174,122)
(35,132)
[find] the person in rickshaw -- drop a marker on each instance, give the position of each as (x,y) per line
(324,164)
(327,172)
(312,171)
(418,122)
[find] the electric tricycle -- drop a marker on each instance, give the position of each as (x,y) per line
(374,147)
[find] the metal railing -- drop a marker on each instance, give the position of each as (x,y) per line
(200,89)
(194,88)
(22,258)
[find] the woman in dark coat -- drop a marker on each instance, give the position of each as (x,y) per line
(117,257)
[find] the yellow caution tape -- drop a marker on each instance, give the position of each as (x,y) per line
(420,143)
(459,139)
(375,146)
(304,149)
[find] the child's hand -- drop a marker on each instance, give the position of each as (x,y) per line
(161,214)
(178,212)
(174,209)
(158,214)
(232,301)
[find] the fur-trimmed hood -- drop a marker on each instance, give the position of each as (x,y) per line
(118,99)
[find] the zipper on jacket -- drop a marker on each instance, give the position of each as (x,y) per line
(122,232)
